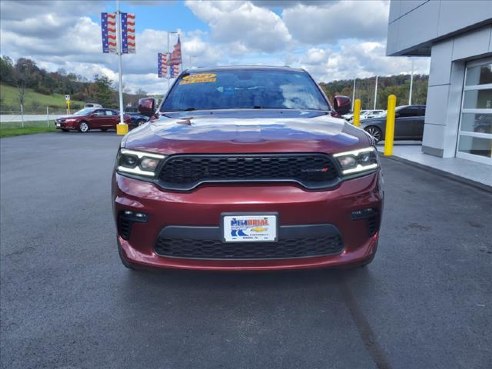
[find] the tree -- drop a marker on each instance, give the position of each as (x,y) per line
(398,85)
(103,92)
(7,70)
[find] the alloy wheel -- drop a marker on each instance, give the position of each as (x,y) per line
(374,132)
(83,127)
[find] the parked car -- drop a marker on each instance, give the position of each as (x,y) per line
(92,105)
(247,169)
(91,118)
(409,123)
(483,123)
(137,119)
(364,114)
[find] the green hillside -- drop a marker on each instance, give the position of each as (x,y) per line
(34,102)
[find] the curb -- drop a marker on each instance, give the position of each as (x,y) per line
(454,177)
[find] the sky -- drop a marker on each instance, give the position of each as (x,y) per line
(333,40)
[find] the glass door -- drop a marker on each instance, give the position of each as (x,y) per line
(475,134)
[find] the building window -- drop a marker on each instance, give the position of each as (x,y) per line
(475,134)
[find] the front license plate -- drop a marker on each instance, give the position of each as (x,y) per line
(249,227)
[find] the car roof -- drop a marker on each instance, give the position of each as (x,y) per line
(243,67)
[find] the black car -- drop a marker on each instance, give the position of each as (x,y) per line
(137,119)
(409,123)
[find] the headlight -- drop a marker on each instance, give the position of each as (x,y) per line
(358,161)
(138,163)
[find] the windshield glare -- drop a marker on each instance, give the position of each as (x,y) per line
(245,89)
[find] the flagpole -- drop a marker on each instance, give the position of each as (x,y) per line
(118,36)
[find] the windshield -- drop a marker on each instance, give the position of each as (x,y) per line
(84,111)
(245,89)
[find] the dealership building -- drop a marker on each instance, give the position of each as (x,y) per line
(457,35)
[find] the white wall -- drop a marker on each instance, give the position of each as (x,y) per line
(418,22)
(447,70)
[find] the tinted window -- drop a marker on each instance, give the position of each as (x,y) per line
(408,112)
(245,89)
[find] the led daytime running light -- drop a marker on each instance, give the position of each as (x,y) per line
(136,170)
(360,167)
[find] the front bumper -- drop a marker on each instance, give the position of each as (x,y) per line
(203,207)
(66,125)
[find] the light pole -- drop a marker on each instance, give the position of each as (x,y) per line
(353,95)
(375,93)
(411,87)
(120,77)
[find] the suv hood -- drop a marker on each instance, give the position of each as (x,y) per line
(246,131)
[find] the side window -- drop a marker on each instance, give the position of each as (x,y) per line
(99,113)
(109,112)
(408,112)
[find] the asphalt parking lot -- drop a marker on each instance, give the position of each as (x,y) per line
(67,302)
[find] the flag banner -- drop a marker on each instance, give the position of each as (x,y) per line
(176,54)
(127,33)
(108,32)
(162,60)
(174,70)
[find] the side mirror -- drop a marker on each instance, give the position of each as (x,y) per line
(147,106)
(342,105)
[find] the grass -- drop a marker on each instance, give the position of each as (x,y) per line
(33,100)
(15,129)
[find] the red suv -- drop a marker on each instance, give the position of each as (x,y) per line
(247,168)
(91,118)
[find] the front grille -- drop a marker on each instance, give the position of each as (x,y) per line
(216,249)
(184,172)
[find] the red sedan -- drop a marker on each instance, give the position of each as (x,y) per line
(91,118)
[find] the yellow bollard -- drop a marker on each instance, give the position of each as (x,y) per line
(121,129)
(357,112)
(390,126)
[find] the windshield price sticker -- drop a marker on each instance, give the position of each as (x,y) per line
(250,228)
(198,78)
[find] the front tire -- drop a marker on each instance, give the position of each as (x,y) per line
(84,127)
(375,132)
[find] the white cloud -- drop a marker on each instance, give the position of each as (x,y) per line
(242,23)
(314,56)
(328,22)
(331,39)
(352,58)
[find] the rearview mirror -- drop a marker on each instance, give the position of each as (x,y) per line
(342,104)
(147,106)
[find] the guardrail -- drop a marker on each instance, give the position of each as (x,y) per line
(17,119)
